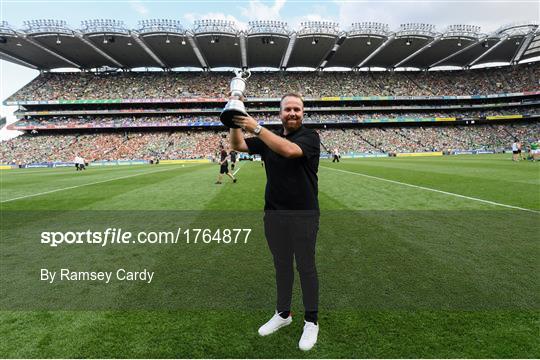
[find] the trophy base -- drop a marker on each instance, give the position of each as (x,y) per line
(227,115)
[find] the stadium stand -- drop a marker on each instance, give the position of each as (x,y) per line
(146,131)
(108,111)
(173,85)
(202,144)
(268,118)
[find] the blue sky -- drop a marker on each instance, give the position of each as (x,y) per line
(488,14)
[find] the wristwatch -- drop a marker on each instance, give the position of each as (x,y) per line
(257,129)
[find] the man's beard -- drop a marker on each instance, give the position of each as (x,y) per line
(292,122)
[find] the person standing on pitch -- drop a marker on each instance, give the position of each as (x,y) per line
(224,167)
(233,154)
(79,163)
(515,150)
(520,153)
(535,150)
(336,155)
(291,219)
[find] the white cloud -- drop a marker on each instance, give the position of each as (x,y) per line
(486,13)
(256,10)
(190,18)
(294,23)
(138,7)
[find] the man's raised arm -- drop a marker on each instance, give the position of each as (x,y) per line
(277,144)
(237,140)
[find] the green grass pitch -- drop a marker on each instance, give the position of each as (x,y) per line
(433,257)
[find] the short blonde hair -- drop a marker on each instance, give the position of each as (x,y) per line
(295,95)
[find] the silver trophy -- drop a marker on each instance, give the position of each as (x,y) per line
(235,105)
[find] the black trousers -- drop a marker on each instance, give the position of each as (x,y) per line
(292,236)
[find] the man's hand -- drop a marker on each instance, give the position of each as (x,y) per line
(245,122)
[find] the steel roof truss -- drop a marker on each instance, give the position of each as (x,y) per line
(19,61)
(200,57)
(427,46)
(382,46)
(288,52)
(456,53)
(524,45)
(145,47)
(488,51)
(99,51)
(52,52)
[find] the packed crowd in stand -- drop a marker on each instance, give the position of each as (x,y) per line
(178,143)
(195,144)
(429,138)
(166,85)
(310,117)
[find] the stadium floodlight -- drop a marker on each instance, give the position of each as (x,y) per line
(103,26)
(269,27)
(416,29)
(5,28)
(523,28)
(47,26)
(369,28)
(462,31)
(160,25)
(214,26)
(319,27)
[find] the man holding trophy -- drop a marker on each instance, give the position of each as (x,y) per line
(291,219)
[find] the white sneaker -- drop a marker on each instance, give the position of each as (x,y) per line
(274,324)
(309,336)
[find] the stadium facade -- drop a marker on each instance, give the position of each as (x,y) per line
(106,98)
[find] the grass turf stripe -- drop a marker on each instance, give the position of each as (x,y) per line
(434,190)
(87,184)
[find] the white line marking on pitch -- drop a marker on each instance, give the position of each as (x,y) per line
(87,184)
(237,170)
(434,190)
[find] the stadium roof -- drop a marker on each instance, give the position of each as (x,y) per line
(50,44)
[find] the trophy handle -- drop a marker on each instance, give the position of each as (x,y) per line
(242,74)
